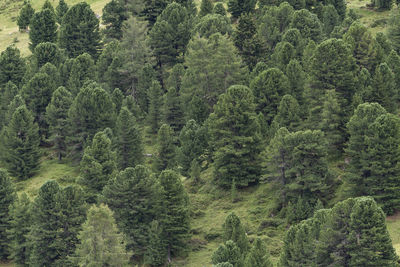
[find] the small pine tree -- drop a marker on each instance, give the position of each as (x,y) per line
(128,140)
(43,28)
(233,230)
(61,9)
(7,94)
(195,171)
(220,9)
(7,198)
(114,15)
(100,242)
(166,149)
(25,16)
(173,112)
(258,255)
(20,144)
(206,7)
(12,66)
(228,253)
(238,7)
(155,103)
(156,253)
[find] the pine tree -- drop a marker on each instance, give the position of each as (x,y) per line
(209,76)
(170,35)
(114,14)
(219,9)
(330,19)
(155,103)
(238,7)
(20,144)
(12,66)
(82,70)
(166,149)
(48,5)
(7,198)
(47,53)
(156,251)
(117,98)
(128,140)
(91,111)
(228,253)
(383,89)
(45,226)
(293,36)
(57,118)
(283,53)
(175,220)
(192,139)
(100,242)
(97,166)
(268,88)
(233,230)
(296,76)
(20,224)
(393,31)
(79,31)
(393,61)
(308,24)
(7,94)
(212,23)
(25,16)
(258,255)
(235,137)
(61,10)
(43,28)
(135,198)
(152,9)
(287,115)
(172,109)
(17,102)
(206,7)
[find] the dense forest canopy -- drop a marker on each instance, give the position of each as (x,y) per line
(162,109)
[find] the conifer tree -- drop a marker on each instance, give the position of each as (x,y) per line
(156,253)
(7,94)
(383,89)
(212,23)
(170,35)
(114,14)
(233,230)
(288,114)
(98,165)
(25,16)
(258,255)
(166,149)
(152,9)
(91,111)
(228,253)
(238,7)
(234,134)
(219,9)
(20,144)
(7,198)
(192,139)
(393,61)
(100,242)
(129,145)
(268,88)
(209,76)
(82,70)
(117,98)
(43,28)
(17,102)
(48,5)
(47,53)
(20,223)
(330,19)
(175,220)
(61,10)
(155,103)
(173,113)
(135,198)
(393,31)
(45,226)
(12,66)
(206,7)
(57,118)
(79,31)
(296,76)
(308,24)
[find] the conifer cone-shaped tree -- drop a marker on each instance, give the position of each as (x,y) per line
(43,28)
(166,149)
(7,198)
(25,16)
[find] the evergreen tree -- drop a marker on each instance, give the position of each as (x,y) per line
(287,115)
(228,253)
(7,94)
(268,88)
(238,7)
(117,98)
(293,36)
(7,198)
(57,118)
(393,31)
(166,149)
(61,10)
(235,138)
(296,76)
(20,224)
(330,19)
(308,24)
(135,198)
(47,53)
(192,139)
(206,7)
(79,31)
(12,66)
(45,226)
(383,89)
(156,251)
(175,220)
(91,111)
(128,140)
(114,14)
(283,53)
(152,9)
(98,165)
(82,70)
(393,61)
(212,23)
(173,113)
(106,63)
(170,35)
(17,102)
(48,5)
(43,28)
(233,230)
(25,16)
(155,103)
(258,255)
(219,9)
(209,76)
(20,144)
(100,242)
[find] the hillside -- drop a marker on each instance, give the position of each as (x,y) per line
(159,89)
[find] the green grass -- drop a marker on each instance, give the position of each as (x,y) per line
(9,10)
